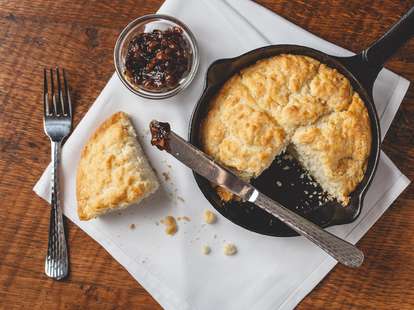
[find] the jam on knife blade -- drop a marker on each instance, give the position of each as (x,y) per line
(160,134)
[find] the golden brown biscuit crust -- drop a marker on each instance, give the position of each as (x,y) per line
(113,171)
(335,149)
(244,138)
(257,112)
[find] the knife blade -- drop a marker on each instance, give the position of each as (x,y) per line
(201,163)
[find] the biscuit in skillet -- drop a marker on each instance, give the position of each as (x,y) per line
(260,111)
(335,149)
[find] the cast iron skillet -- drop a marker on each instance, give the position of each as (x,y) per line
(289,186)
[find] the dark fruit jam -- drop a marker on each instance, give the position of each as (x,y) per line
(160,134)
(157,60)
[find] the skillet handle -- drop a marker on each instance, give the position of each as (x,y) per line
(381,50)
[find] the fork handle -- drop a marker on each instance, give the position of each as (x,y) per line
(56,264)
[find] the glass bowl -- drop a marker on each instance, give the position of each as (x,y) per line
(145,24)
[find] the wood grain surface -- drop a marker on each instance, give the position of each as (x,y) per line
(80,35)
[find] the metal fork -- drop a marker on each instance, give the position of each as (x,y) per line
(57,123)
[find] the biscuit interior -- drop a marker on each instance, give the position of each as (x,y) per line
(296,103)
(113,172)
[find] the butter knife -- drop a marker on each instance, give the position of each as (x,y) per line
(165,139)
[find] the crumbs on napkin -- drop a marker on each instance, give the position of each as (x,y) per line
(209,217)
(229,249)
(166,176)
(170,225)
(206,249)
(183,218)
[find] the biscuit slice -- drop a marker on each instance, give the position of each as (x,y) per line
(239,136)
(113,172)
(335,150)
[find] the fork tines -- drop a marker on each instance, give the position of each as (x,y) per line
(57,105)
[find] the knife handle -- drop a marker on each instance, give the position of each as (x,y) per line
(341,250)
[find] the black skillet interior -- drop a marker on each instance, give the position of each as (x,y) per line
(285,181)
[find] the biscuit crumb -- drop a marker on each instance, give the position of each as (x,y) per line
(229,249)
(206,249)
(209,217)
(183,218)
(224,194)
(170,225)
(166,176)
(131,226)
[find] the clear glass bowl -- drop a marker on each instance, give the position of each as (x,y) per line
(148,23)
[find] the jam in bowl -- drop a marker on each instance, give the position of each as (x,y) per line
(156,56)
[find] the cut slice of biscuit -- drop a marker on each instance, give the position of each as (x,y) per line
(335,149)
(113,172)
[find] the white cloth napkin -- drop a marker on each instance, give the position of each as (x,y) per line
(267,272)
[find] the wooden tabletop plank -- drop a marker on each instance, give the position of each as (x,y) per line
(80,36)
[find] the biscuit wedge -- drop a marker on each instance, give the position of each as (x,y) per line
(113,171)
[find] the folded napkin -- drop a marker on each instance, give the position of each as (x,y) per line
(267,272)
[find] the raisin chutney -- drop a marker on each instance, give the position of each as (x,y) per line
(160,135)
(156,61)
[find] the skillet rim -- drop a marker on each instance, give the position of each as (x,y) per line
(346,66)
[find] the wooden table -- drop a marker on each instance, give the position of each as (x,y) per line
(80,36)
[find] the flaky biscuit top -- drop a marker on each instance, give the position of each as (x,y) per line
(258,112)
(113,171)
